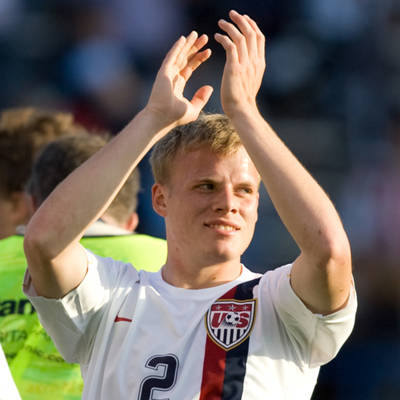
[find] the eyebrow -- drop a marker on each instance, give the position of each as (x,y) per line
(248,183)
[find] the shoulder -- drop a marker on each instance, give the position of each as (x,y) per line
(108,269)
(148,240)
(270,279)
(12,243)
(12,252)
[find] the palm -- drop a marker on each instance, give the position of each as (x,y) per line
(167,99)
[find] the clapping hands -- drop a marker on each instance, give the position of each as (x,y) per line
(244,45)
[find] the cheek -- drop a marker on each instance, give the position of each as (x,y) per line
(192,204)
(250,210)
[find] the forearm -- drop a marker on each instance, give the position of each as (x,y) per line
(303,206)
(321,275)
(56,261)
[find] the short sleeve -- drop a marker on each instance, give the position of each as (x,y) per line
(317,337)
(73,320)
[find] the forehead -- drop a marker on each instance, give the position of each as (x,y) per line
(202,163)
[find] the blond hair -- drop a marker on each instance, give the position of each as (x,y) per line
(213,130)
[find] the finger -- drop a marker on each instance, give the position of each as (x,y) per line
(194,62)
(247,30)
(182,57)
(201,97)
(229,47)
(200,42)
(260,38)
(180,80)
(236,37)
(170,57)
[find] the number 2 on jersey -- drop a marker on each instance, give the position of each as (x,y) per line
(167,367)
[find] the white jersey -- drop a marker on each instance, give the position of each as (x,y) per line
(8,390)
(137,337)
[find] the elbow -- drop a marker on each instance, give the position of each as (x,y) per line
(334,250)
(37,243)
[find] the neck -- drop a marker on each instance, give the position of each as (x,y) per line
(200,277)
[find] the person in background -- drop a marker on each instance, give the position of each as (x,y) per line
(113,234)
(204,326)
(23,132)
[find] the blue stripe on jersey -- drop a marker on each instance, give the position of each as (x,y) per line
(236,358)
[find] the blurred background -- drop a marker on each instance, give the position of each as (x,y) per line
(331,90)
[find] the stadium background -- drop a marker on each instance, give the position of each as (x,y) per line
(331,90)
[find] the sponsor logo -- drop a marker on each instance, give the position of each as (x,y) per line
(122,319)
(229,322)
(19,306)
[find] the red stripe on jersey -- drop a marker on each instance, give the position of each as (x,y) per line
(214,365)
(118,319)
(213,372)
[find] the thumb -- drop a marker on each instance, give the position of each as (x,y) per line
(201,97)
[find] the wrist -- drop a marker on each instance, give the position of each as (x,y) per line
(147,127)
(155,119)
(243,112)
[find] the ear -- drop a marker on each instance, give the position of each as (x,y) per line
(32,203)
(132,222)
(159,196)
(21,209)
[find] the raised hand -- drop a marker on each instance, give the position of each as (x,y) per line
(244,45)
(167,101)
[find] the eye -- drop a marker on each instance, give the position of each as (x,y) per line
(246,190)
(206,186)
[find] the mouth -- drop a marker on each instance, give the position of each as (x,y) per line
(223,227)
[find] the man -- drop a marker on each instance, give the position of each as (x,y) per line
(226,333)
(23,132)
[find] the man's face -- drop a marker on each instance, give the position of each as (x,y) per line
(211,205)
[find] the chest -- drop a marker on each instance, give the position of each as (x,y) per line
(193,349)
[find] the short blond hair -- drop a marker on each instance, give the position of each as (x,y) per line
(214,130)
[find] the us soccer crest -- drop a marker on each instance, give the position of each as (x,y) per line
(229,322)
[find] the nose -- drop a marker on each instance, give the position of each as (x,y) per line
(225,201)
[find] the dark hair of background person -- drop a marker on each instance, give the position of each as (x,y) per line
(60,157)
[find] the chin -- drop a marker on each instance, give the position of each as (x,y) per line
(225,255)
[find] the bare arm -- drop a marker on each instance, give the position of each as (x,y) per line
(321,275)
(56,260)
